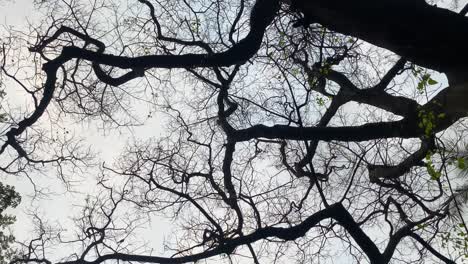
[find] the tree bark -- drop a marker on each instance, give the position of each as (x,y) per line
(426,35)
(429,36)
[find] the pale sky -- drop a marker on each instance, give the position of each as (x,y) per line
(109,144)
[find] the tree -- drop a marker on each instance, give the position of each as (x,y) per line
(292,126)
(8,198)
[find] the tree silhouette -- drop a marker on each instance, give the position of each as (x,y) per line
(294,129)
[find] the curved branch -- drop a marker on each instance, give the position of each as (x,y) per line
(377,172)
(424,34)
(335,211)
(431,249)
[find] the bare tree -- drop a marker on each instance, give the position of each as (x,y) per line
(294,129)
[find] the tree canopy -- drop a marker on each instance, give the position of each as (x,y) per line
(272,131)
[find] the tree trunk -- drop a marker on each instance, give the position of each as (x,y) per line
(426,35)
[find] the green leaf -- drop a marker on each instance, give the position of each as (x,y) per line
(420,86)
(461,163)
(435,175)
(432,81)
(320,101)
(421,226)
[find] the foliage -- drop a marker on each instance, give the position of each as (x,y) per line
(9,198)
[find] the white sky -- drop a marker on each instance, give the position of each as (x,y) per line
(59,207)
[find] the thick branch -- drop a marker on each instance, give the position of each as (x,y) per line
(391,172)
(424,34)
(262,15)
(375,96)
(402,129)
(431,249)
(335,211)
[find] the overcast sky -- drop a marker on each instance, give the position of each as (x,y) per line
(109,144)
